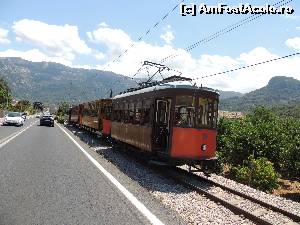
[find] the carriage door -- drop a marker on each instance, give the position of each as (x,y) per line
(162,124)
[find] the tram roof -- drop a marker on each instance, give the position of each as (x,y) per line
(169,85)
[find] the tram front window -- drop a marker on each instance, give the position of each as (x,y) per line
(185,111)
(200,113)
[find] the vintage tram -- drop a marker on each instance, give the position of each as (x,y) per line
(174,122)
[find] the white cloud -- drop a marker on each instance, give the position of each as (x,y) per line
(57,41)
(168,36)
(116,40)
(34,55)
(297,28)
(3,36)
(100,56)
(62,49)
(103,24)
(293,43)
(242,80)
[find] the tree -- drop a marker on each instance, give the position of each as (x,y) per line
(23,105)
(63,109)
(5,93)
(38,106)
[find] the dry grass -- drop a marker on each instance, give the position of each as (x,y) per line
(288,189)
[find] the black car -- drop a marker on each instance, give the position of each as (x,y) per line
(47,119)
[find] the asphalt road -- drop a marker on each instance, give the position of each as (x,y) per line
(46,179)
(5,131)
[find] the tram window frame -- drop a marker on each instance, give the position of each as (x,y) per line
(210,113)
(137,112)
(126,112)
(145,112)
(181,103)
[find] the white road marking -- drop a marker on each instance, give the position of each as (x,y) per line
(140,206)
(8,136)
(14,135)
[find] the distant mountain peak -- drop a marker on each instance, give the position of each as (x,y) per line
(280,90)
(282,82)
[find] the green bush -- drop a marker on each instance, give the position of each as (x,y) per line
(63,109)
(261,134)
(258,173)
(61,119)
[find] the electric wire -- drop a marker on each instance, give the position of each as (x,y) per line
(225,30)
(248,66)
(147,32)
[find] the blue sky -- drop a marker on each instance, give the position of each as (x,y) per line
(91,33)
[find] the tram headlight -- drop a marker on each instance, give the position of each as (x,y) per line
(204,147)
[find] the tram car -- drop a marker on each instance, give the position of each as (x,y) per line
(93,116)
(175,122)
(75,115)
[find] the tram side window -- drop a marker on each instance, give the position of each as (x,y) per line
(121,112)
(126,113)
(107,112)
(137,113)
(115,112)
(131,112)
(207,113)
(210,117)
(185,111)
(161,113)
(202,114)
(145,113)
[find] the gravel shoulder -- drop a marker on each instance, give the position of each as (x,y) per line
(191,207)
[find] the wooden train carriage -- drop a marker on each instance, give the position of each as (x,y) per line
(74,115)
(94,112)
(175,120)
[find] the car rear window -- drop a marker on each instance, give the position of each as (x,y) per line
(13,114)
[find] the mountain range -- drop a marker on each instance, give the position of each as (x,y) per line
(52,83)
(280,91)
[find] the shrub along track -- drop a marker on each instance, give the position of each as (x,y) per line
(260,213)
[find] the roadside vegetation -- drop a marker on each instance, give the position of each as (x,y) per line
(5,94)
(260,148)
(62,112)
(7,104)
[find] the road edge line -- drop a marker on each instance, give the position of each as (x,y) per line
(139,205)
(16,134)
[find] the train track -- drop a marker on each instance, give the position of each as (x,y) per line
(192,181)
(195,183)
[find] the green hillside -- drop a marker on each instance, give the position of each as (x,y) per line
(280,91)
(53,82)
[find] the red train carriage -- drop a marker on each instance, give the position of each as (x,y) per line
(75,115)
(94,116)
(174,121)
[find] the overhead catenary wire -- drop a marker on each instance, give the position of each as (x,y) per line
(248,66)
(221,32)
(225,30)
(140,38)
(147,32)
(215,35)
